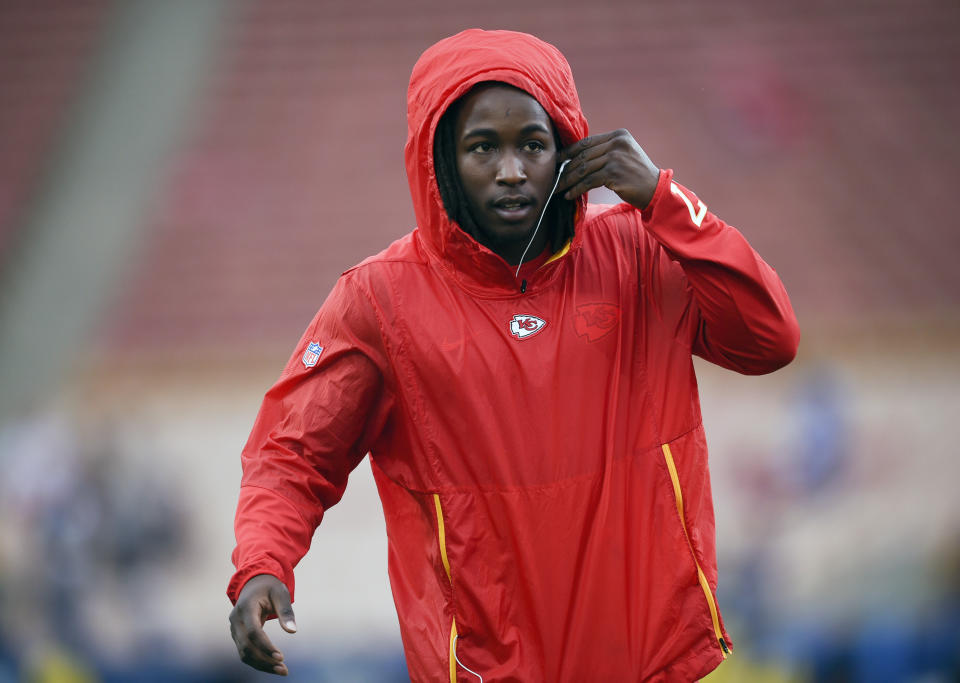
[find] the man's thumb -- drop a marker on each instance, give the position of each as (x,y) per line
(284,610)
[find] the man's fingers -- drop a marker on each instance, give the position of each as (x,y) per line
(252,642)
(280,599)
(577,173)
(594,151)
(589,182)
(260,653)
(261,597)
(287,622)
(257,651)
(259,639)
(587,143)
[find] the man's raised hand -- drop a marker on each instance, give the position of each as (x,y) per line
(613,160)
(261,597)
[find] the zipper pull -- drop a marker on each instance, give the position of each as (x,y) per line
(523,286)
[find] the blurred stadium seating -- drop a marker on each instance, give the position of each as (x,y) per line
(44,50)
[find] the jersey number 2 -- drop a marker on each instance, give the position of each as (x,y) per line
(696,217)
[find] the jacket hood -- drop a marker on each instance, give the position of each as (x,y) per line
(443,74)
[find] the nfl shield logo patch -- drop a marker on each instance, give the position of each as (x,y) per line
(312,354)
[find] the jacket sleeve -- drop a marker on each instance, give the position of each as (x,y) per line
(314,426)
(728,305)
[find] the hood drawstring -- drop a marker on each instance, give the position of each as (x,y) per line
(523,285)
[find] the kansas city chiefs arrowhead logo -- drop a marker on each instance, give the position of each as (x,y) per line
(525,326)
(596,320)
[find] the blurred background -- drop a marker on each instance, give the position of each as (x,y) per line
(181,183)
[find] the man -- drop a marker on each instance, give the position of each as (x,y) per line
(525,390)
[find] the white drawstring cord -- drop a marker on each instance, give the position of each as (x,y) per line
(542,214)
(455,639)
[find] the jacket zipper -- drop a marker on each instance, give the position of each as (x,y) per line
(704,584)
(563,250)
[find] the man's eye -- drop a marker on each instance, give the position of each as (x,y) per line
(481,147)
(534,146)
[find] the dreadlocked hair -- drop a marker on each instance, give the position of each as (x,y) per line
(560,211)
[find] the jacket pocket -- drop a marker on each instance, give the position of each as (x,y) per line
(442,541)
(452,660)
(701,577)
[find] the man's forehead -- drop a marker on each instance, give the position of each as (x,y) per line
(501,102)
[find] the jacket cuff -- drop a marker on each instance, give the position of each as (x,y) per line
(265,565)
(663,185)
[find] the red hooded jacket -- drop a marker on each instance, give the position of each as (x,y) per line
(539,454)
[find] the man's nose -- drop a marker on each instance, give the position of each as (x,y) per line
(510,170)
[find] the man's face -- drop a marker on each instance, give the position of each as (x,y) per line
(507,160)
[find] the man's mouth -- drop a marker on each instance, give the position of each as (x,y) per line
(513,207)
(512,201)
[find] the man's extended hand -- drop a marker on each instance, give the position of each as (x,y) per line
(614,160)
(261,597)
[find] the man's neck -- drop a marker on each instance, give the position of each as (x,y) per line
(513,251)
